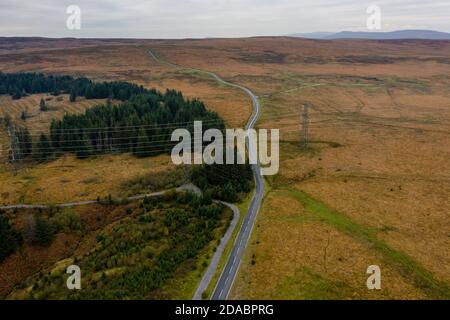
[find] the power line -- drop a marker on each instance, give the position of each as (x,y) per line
(107,140)
(33,158)
(14,142)
(158,126)
(115,152)
(118,130)
(305,125)
(128,128)
(167,142)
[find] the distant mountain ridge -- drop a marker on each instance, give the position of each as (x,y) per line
(375,35)
(313,35)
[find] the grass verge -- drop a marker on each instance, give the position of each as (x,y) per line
(184,287)
(243,208)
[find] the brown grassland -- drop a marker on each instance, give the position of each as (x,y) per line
(372,186)
(38,121)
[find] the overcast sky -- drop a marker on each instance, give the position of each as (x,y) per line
(214,18)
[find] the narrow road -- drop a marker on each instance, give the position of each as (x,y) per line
(186,187)
(211,270)
(228,275)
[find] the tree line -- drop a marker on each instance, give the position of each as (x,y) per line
(38,231)
(141,124)
(19,85)
(224,182)
(11,240)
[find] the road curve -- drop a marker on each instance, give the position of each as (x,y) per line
(228,275)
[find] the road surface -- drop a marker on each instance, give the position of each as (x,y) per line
(228,275)
(186,187)
(211,270)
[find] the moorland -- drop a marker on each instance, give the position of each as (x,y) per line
(370,188)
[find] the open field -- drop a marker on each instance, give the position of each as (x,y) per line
(379,155)
(372,187)
(70,179)
(39,121)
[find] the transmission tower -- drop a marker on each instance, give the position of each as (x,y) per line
(304,139)
(14,142)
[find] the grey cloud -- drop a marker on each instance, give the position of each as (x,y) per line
(213,18)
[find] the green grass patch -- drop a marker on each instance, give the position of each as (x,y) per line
(308,285)
(415,85)
(27,178)
(331,144)
(199,75)
(422,278)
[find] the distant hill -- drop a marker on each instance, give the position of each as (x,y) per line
(401,34)
(312,35)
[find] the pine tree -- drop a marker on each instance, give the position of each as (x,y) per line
(143,147)
(44,231)
(25,143)
(43,148)
(35,86)
(17,95)
(85,148)
(10,239)
(73,96)
(56,92)
(42,105)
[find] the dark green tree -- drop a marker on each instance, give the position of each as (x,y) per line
(43,149)
(56,92)
(25,143)
(42,105)
(73,96)
(10,239)
(45,232)
(143,146)
(85,148)
(17,94)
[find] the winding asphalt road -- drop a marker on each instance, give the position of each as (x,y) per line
(228,275)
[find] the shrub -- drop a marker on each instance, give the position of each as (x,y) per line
(66,221)
(10,239)
(45,231)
